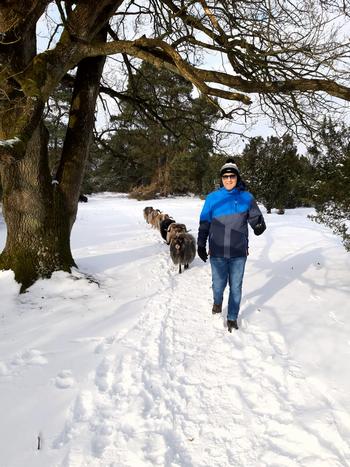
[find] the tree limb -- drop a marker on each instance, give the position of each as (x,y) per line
(162,55)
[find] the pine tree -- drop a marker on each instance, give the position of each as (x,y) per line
(275,173)
(331,159)
(161,142)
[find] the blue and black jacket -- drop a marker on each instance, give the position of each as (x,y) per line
(225,217)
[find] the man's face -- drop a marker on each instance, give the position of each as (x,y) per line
(229,181)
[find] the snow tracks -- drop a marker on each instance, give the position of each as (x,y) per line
(178,390)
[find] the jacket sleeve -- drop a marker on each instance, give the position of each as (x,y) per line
(204,224)
(255,218)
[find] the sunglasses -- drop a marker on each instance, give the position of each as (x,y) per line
(226,177)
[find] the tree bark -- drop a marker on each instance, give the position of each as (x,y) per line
(38,231)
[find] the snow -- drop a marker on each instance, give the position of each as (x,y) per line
(9,142)
(122,364)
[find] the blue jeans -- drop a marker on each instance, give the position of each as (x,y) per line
(231,270)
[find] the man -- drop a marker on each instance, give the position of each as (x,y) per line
(224,218)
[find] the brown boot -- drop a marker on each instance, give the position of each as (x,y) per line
(216,309)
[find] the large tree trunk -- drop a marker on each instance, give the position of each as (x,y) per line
(38,229)
(38,211)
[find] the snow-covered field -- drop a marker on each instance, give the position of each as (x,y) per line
(131,369)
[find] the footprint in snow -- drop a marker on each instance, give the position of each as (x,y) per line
(107,342)
(101,439)
(64,379)
(103,375)
(83,407)
(29,357)
(104,345)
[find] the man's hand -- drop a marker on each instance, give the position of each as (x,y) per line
(202,253)
(260,226)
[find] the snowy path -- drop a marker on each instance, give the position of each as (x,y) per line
(185,393)
(175,389)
